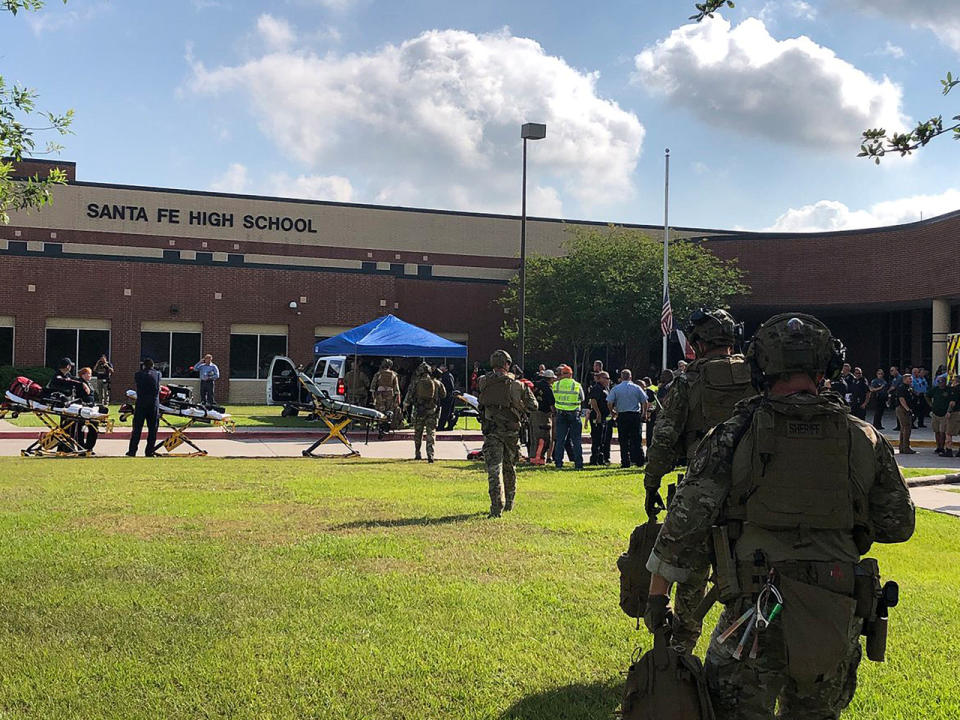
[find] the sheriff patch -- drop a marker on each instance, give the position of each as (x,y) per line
(799,429)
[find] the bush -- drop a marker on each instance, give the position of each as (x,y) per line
(41,375)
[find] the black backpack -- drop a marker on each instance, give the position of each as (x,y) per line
(666,684)
(634,576)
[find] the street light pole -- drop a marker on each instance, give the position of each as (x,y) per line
(529,131)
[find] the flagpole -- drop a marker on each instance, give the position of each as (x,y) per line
(666,243)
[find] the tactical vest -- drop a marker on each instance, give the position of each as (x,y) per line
(716,385)
(792,471)
(385,380)
(566,394)
(425,391)
(496,401)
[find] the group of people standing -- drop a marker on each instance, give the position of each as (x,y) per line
(799,486)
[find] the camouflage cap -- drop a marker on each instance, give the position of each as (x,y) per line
(795,342)
(712,327)
(499,358)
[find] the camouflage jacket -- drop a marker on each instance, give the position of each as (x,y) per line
(663,449)
(683,544)
(500,418)
(673,439)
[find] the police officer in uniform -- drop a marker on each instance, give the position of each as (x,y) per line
(147,408)
(792,490)
(385,389)
(424,394)
(503,401)
(701,397)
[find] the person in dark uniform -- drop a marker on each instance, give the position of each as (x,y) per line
(64,382)
(601,429)
(447,420)
(147,408)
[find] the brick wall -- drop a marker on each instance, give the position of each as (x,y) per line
(95,289)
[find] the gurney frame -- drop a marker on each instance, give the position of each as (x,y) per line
(59,439)
(179,436)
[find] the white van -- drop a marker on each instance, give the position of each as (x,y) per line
(328,372)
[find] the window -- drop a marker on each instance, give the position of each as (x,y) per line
(173,353)
(251,354)
(84,347)
(333,368)
(6,346)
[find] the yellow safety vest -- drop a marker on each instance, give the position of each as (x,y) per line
(566,394)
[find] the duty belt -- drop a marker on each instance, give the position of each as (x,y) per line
(835,576)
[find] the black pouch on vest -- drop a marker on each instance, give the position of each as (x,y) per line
(665,684)
(817,628)
(634,576)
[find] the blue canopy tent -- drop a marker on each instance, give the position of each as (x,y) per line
(390,336)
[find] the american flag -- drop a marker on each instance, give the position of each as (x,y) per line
(666,317)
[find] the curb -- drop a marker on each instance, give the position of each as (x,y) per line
(925,480)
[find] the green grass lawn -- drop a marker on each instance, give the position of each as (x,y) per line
(923,472)
(362,589)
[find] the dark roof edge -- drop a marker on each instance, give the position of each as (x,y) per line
(733,235)
(42,161)
(398,208)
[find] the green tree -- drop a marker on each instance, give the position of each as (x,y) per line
(606,289)
(20,123)
(877,142)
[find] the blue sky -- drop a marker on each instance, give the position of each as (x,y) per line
(419,103)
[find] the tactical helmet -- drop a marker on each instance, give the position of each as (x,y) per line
(423,369)
(386,364)
(794,342)
(499,358)
(713,327)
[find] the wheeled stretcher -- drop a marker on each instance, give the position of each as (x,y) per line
(335,414)
(176,402)
(62,415)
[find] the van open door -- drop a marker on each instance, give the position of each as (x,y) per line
(282,386)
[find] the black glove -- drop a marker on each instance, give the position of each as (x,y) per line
(653,503)
(657,612)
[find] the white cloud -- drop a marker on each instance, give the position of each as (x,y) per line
(337,5)
(436,121)
(236,179)
(53,20)
(791,91)
(795,9)
(939,16)
(894,51)
(276,33)
(833,215)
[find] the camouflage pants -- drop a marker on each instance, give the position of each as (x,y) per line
(500,454)
(425,424)
(387,403)
(748,689)
(686,630)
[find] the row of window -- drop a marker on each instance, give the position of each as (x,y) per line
(173,353)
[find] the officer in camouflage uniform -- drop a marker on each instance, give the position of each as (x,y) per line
(701,397)
(503,401)
(424,395)
(385,389)
(801,489)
